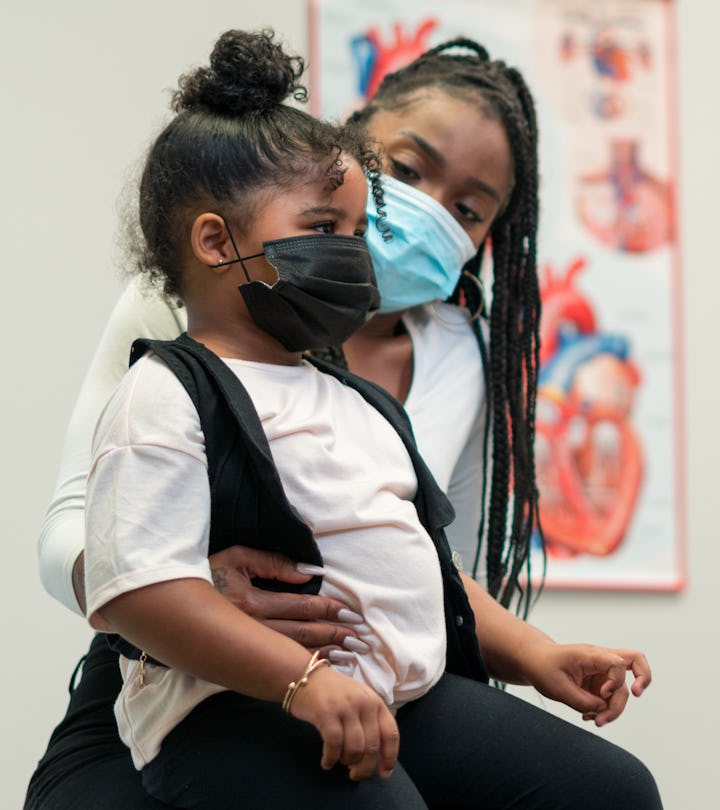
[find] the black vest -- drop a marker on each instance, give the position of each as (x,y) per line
(248,504)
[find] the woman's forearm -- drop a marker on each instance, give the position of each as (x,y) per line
(78,581)
(62,537)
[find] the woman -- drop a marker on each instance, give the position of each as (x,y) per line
(462,129)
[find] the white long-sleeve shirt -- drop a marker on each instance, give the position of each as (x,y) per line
(446,404)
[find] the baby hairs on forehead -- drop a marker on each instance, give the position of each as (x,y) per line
(463,69)
(233,138)
(249,203)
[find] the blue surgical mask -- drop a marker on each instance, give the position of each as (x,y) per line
(426,255)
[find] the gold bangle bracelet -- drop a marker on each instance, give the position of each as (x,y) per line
(315,663)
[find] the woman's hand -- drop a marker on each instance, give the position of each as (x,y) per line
(356,726)
(585,677)
(305,618)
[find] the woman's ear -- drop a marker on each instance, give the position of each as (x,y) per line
(211,242)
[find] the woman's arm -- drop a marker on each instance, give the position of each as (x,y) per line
(587,678)
(62,537)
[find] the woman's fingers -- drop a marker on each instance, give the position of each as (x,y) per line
(312,635)
(316,622)
(265,564)
(263,604)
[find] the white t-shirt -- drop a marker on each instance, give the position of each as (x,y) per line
(446,405)
(342,466)
(447,408)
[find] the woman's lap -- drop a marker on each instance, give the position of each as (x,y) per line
(236,752)
(86,765)
(462,745)
(469,745)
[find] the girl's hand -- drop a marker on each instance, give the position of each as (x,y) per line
(305,618)
(356,726)
(587,678)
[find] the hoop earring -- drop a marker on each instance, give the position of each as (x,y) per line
(481,295)
(480,307)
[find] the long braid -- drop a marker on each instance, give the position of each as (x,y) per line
(463,69)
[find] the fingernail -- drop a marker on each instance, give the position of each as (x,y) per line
(310,570)
(349,617)
(340,656)
(355,644)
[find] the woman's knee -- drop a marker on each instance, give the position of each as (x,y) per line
(630,784)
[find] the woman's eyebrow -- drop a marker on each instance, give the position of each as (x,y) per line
(484,187)
(429,150)
(436,156)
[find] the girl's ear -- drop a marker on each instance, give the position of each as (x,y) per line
(211,242)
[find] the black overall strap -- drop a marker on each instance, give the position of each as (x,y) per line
(435,512)
(248,505)
(233,432)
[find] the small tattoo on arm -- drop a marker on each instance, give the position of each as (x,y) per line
(219,577)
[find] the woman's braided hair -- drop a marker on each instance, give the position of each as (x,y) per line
(462,68)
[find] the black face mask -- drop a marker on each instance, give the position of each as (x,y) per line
(325,291)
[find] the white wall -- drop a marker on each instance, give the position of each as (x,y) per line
(83,89)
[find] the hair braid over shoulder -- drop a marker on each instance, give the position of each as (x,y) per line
(463,69)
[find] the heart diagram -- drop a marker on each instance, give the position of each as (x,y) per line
(588,457)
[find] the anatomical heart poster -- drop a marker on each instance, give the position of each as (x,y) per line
(609,446)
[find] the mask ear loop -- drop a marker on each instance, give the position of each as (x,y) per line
(481,300)
(240,259)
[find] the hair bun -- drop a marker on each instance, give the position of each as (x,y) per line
(249,72)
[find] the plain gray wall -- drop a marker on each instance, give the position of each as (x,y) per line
(84,87)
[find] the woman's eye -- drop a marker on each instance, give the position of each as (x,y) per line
(402,171)
(467,214)
(324,227)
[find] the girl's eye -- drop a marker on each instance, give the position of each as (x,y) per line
(402,171)
(467,213)
(324,227)
(360,232)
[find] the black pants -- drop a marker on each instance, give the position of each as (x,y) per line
(463,745)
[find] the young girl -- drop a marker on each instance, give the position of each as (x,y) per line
(254,212)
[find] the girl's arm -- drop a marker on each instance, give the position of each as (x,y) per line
(587,678)
(187,624)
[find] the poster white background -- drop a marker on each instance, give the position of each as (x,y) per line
(633,294)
